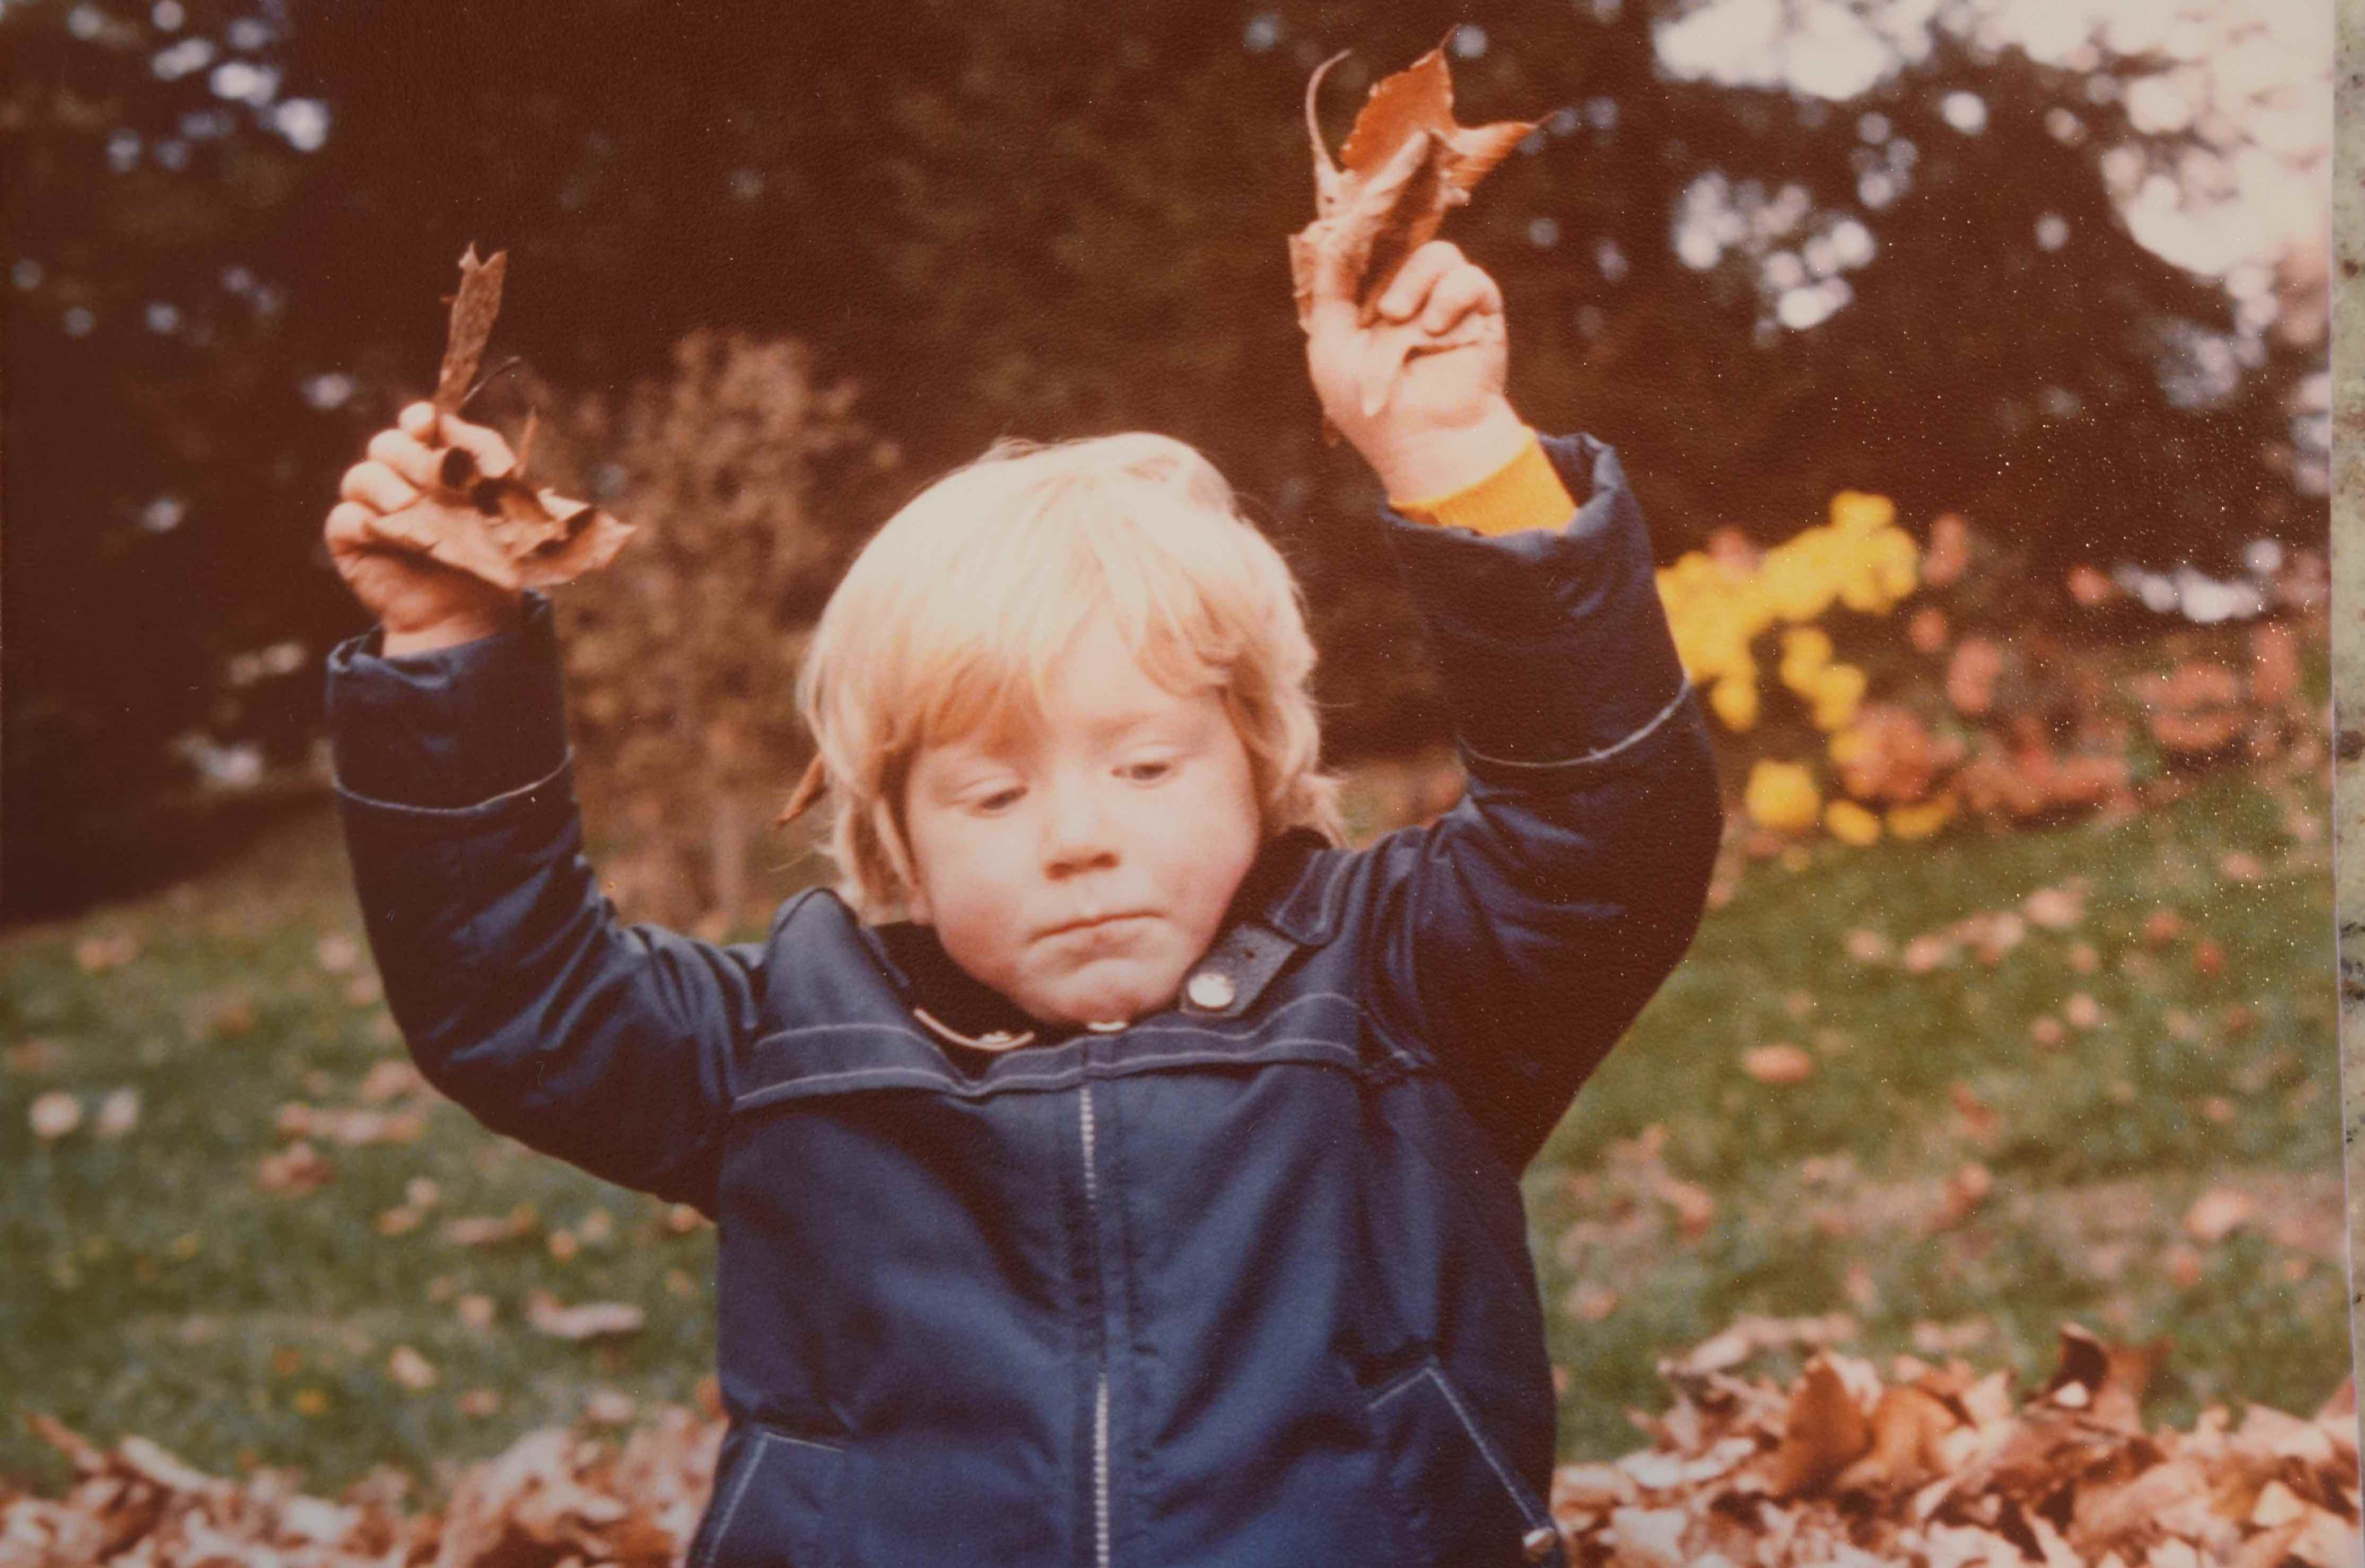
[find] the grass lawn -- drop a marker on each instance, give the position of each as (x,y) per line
(154,1287)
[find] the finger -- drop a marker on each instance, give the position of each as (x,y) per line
(1420,272)
(1459,293)
(348,528)
(377,485)
(1331,308)
(417,420)
(481,442)
(404,456)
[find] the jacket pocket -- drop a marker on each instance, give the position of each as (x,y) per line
(1458,1499)
(775,1500)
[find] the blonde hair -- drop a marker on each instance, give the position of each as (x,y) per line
(950,620)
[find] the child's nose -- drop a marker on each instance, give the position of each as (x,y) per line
(1076,830)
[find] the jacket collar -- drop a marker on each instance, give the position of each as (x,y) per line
(1281,906)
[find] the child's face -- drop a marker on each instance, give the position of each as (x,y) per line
(1133,804)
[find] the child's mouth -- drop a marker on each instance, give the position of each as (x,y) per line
(1104,925)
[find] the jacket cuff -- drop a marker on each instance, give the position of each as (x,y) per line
(1552,643)
(452,727)
(1526,492)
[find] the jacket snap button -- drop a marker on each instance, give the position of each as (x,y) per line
(1212,990)
(1537,1543)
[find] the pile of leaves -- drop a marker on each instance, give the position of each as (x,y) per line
(1937,1467)
(1943,1468)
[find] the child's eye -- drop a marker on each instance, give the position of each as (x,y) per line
(1146,771)
(997,800)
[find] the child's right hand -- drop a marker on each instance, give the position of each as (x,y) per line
(375,538)
(1444,423)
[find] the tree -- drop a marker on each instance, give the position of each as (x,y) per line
(1050,219)
(680,658)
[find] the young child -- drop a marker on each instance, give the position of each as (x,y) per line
(1112,1169)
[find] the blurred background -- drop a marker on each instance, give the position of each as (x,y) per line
(1969,357)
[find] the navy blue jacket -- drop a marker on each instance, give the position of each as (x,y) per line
(1245,1284)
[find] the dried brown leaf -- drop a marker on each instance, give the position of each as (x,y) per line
(1824,1432)
(473,309)
(1405,164)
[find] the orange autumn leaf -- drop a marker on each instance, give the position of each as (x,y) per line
(1406,164)
(1777,1064)
(1824,1431)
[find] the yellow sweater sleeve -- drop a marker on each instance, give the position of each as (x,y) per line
(1524,493)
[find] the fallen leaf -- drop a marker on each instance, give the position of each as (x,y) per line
(1866,947)
(1777,1064)
(117,1113)
(1909,1427)
(96,954)
(481,1231)
(609,1407)
(2217,1214)
(1980,1120)
(1650,1537)
(1590,1303)
(1590,1489)
(389,1078)
(1926,953)
(1695,1206)
(53,1115)
(1823,1431)
(1965,1191)
(1944,1338)
(590,1321)
(2056,909)
(225,1016)
(412,1371)
(30,1057)
(2109,1378)
(296,1170)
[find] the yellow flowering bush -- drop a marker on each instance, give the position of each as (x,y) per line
(1781,795)
(1836,692)
(1922,818)
(1734,699)
(1719,600)
(1851,823)
(1860,559)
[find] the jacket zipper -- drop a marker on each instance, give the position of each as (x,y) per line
(1101,1391)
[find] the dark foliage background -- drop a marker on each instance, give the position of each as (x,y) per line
(229,226)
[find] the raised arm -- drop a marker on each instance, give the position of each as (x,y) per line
(1520,934)
(519,992)
(1523,932)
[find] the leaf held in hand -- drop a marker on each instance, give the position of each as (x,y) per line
(1406,164)
(473,310)
(497,527)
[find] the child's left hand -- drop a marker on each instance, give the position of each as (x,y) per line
(1442,422)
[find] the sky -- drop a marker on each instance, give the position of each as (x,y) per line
(2255,75)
